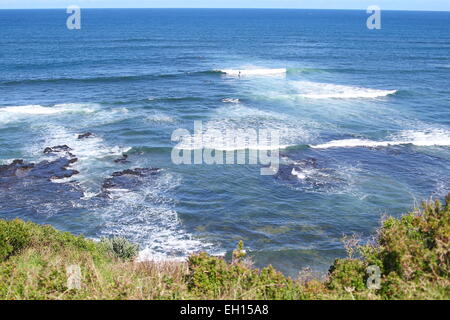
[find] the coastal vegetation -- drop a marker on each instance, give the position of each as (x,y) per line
(411,253)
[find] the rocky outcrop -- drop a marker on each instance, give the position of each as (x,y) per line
(123,159)
(130,179)
(32,188)
(34,183)
(46,170)
(63,151)
(85,135)
(296,169)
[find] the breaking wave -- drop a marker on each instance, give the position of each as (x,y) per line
(253,72)
(437,137)
(239,127)
(315,90)
(147,216)
(12,113)
(230,100)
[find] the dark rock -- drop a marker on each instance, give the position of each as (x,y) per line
(9,170)
(46,170)
(310,175)
(17,161)
(56,169)
(129,179)
(85,135)
(62,151)
(29,187)
(285,172)
(57,149)
(136,172)
(123,159)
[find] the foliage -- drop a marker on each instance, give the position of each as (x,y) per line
(121,248)
(412,254)
(214,278)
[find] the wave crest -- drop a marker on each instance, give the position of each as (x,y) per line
(437,137)
(316,90)
(253,72)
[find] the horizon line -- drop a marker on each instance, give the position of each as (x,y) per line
(235,8)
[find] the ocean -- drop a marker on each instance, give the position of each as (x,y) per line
(364,117)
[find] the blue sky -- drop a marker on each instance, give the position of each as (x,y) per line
(440,5)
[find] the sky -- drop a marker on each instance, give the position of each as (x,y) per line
(431,5)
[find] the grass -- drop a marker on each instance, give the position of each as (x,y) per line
(412,255)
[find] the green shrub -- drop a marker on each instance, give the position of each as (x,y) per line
(213,277)
(121,248)
(347,274)
(14,236)
(413,254)
(239,254)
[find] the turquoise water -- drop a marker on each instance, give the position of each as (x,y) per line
(365,116)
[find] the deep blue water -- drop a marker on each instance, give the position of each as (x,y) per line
(365,113)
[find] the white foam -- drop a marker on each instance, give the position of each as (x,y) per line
(84,149)
(436,137)
(239,127)
(160,118)
(6,161)
(148,217)
(231,146)
(61,180)
(311,173)
(144,216)
(93,153)
(316,90)
(40,110)
(77,107)
(336,178)
(15,113)
(298,174)
(230,100)
(254,72)
(31,109)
